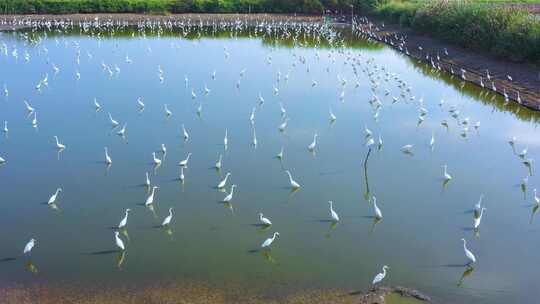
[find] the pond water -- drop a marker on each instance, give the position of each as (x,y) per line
(423,221)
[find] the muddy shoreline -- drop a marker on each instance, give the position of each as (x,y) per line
(195,292)
(525,75)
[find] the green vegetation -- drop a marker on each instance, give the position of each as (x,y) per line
(503,31)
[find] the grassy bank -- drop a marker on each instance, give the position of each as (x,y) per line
(180,6)
(499,30)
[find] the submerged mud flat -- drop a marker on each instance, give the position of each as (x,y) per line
(194,292)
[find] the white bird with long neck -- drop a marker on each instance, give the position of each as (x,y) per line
(185,133)
(333,214)
(407,149)
(332,116)
(470,256)
(218,163)
(119,242)
(168,113)
(282,109)
(97,106)
(141,103)
(34,121)
(432,140)
(29,246)
(185,162)
(536,198)
(223,182)
(182,176)
(108,159)
(53,197)
(269,241)
(367,131)
(147,181)
(29,108)
(226,139)
(264,221)
(6,130)
(478,206)
(477,220)
(167,220)
(229,197)
(114,123)
(283,125)
(123,222)
(252,116)
(150,199)
(280,154)
(378,213)
(379,277)
(163,149)
(313,144)
(122,132)
(156,160)
(292,182)
(447,177)
(58,144)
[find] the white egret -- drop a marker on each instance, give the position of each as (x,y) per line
(269,241)
(119,242)
(2,160)
(168,219)
(114,123)
(163,149)
(58,144)
(223,182)
(150,199)
(252,116)
(108,159)
(470,256)
(283,125)
(122,132)
(313,144)
(367,131)
(218,163)
(293,183)
(29,108)
(477,220)
(184,162)
(378,213)
(280,154)
(52,199)
(379,277)
(97,106)
(147,181)
(226,139)
(432,140)
(536,199)
(29,246)
(332,116)
(156,160)
(229,197)
(523,153)
(264,221)
(5,127)
(168,113)
(185,133)
(333,214)
(123,222)
(478,206)
(141,103)
(182,176)
(447,177)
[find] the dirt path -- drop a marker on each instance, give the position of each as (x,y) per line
(525,76)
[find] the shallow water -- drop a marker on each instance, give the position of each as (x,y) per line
(419,236)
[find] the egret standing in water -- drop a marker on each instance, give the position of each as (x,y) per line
(53,197)
(478,219)
(58,144)
(150,199)
(156,160)
(379,277)
(333,214)
(119,242)
(269,241)
(292,182)
(264,221)
(313,144)
(108,159)
(168,219)
(447,177)
(229,197)
(123,222)
(218,163)
(378,213)
(223,182)
(29,246)
(470,256)
(184,163)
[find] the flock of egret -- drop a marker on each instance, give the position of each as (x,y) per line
(375,73)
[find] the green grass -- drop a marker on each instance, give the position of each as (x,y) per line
(506,32)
